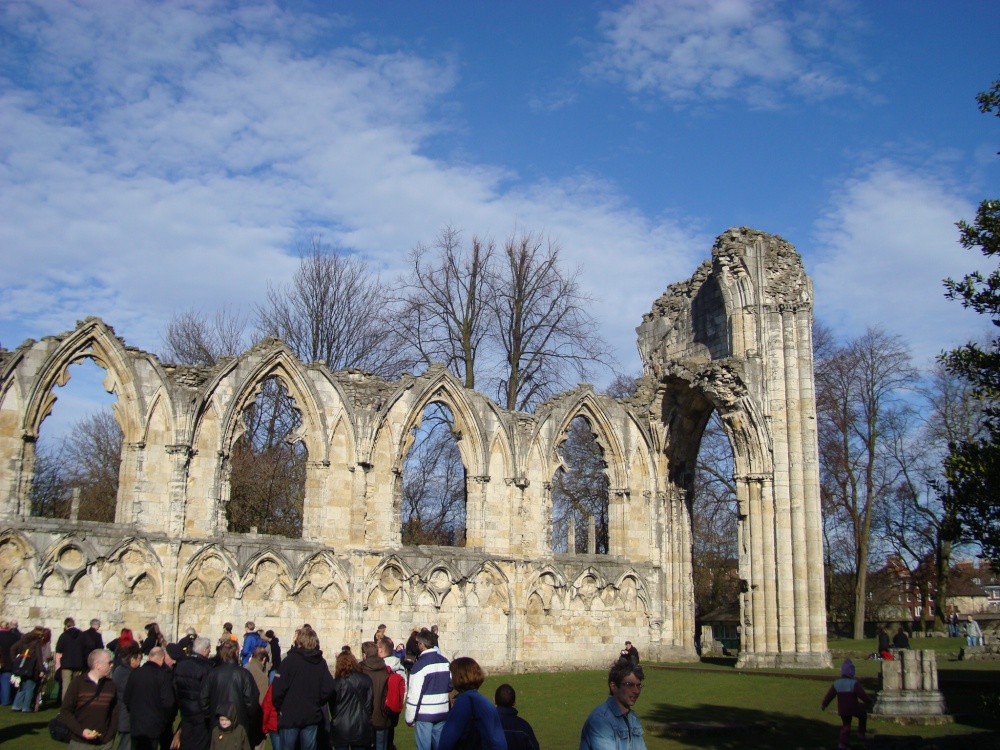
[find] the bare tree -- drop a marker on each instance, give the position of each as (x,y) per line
(515,321)
(580,491)
(93,453)
(268,466)
(922,527)
(443,309)
(193,339)
(334,311)
(434,492)
(859,403)
(542,325)
(50,496)
(714,522)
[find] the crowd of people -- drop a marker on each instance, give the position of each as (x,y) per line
(195,694)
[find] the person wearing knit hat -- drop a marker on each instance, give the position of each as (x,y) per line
(852,700)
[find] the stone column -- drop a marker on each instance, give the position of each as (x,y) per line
(910,689)
(180,462)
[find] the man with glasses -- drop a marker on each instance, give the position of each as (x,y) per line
(613,725)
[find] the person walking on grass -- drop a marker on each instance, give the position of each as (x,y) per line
(852,700)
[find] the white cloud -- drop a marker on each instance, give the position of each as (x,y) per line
(753,50)
(164,157)
(884,246)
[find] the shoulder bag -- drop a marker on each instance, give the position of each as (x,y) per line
(57,727)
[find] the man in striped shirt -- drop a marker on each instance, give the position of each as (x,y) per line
(427,692)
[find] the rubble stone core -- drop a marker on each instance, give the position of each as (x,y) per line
(736,337)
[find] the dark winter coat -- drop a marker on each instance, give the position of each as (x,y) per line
(120,676)
(300,688)
(92,639)
(519,734)
(230,684)
(351,707)
(70,648)
(189,676)
(150,699)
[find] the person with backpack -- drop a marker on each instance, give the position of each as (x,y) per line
(395,698)
(29,670)
(852,700)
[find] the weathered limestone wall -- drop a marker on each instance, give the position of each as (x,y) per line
(734,338)
(737,338)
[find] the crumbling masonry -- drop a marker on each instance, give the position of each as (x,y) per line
(735,338)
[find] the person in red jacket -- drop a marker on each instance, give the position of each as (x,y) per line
(852,700)
(269,720)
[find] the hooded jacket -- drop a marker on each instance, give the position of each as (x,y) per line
(300,688)
(229,684)
(232,738)
(375,668)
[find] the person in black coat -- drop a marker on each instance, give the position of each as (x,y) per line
(129,658)
(901,640)
(351,705)
(189,676)
(883,640)
(92,638)
(151,703)
(228,684)
(8,637)
(519,734)
(300,690)
(153,639)
(272,641)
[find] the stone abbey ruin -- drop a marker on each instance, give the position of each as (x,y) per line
(735,338)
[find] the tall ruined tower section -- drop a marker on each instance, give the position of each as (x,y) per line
(737,338)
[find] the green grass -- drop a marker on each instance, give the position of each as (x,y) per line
(780,708)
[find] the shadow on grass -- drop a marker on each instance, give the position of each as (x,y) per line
(23,729)
(725,727)
(720,661)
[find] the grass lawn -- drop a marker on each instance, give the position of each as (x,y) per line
(778,709)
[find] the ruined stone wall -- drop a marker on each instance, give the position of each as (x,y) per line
(734,338)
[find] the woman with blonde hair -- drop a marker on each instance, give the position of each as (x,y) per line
(473,717)
(351,705)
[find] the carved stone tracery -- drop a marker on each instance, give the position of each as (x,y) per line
(734,338)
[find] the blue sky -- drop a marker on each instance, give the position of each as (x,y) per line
(158,157)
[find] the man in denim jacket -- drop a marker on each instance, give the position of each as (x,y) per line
(613,725)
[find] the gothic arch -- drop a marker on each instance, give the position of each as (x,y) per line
(621,585)
(279,362)
(17,555)
(439,580)
(490,588)
(250,571)
(69,558)
(607,435)
(321,570)
(547,584)
(91,340)
(390,583)
(441,387)
(210,567)
(134,559)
